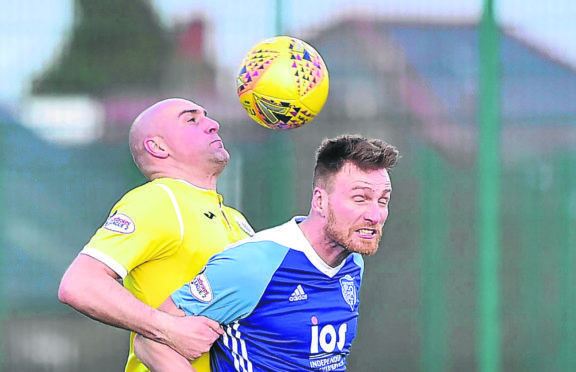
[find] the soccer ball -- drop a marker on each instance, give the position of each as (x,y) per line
(282,83)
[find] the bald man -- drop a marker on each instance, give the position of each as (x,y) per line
(159,235)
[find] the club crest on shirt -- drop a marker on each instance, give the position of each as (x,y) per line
(245,226)
(200,287)
(120,223)
(349,291)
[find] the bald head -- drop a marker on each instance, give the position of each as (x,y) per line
(175,138)
(153,122)
(148,125)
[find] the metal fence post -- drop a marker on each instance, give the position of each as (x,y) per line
(488,194)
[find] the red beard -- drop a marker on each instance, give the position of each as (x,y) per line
(348,238)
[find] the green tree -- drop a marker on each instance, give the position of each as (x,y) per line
(114,45)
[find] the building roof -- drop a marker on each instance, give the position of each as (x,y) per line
(430,72)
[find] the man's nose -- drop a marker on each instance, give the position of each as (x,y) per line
(211,125)
(375,213)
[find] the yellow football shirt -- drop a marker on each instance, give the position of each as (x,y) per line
(159,236)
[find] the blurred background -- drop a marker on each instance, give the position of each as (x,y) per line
(477,266)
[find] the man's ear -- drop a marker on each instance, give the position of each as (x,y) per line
(319,200)
(156,147)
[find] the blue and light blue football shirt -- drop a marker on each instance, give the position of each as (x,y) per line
(284,309)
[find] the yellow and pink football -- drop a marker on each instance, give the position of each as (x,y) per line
(282,83)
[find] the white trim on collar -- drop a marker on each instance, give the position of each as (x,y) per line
(296,240)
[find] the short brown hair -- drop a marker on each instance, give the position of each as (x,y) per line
(366,154)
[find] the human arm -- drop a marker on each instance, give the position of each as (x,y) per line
(92,288)
(159,357)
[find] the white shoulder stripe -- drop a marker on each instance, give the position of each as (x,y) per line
(106,260)
(176,209)
(290,235)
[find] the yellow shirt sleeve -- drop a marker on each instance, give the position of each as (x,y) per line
(142,226)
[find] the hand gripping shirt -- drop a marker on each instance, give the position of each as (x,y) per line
(159,236)
(283,308)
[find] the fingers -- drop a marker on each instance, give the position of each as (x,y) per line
(194,335)
(214,326)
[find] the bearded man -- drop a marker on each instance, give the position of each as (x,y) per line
(288,296)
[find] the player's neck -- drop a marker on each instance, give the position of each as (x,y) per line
(207,181)
(331,252)
(201,174)
(327,249)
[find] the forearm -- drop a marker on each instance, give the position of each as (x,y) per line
(89,289)
(158,357)
(92,288)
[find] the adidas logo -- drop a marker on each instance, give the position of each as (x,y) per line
(298,294)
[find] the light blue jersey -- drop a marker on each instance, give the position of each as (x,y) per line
(283,308)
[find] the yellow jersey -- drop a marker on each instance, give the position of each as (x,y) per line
(159,236)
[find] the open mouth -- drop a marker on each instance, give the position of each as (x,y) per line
(365,232)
